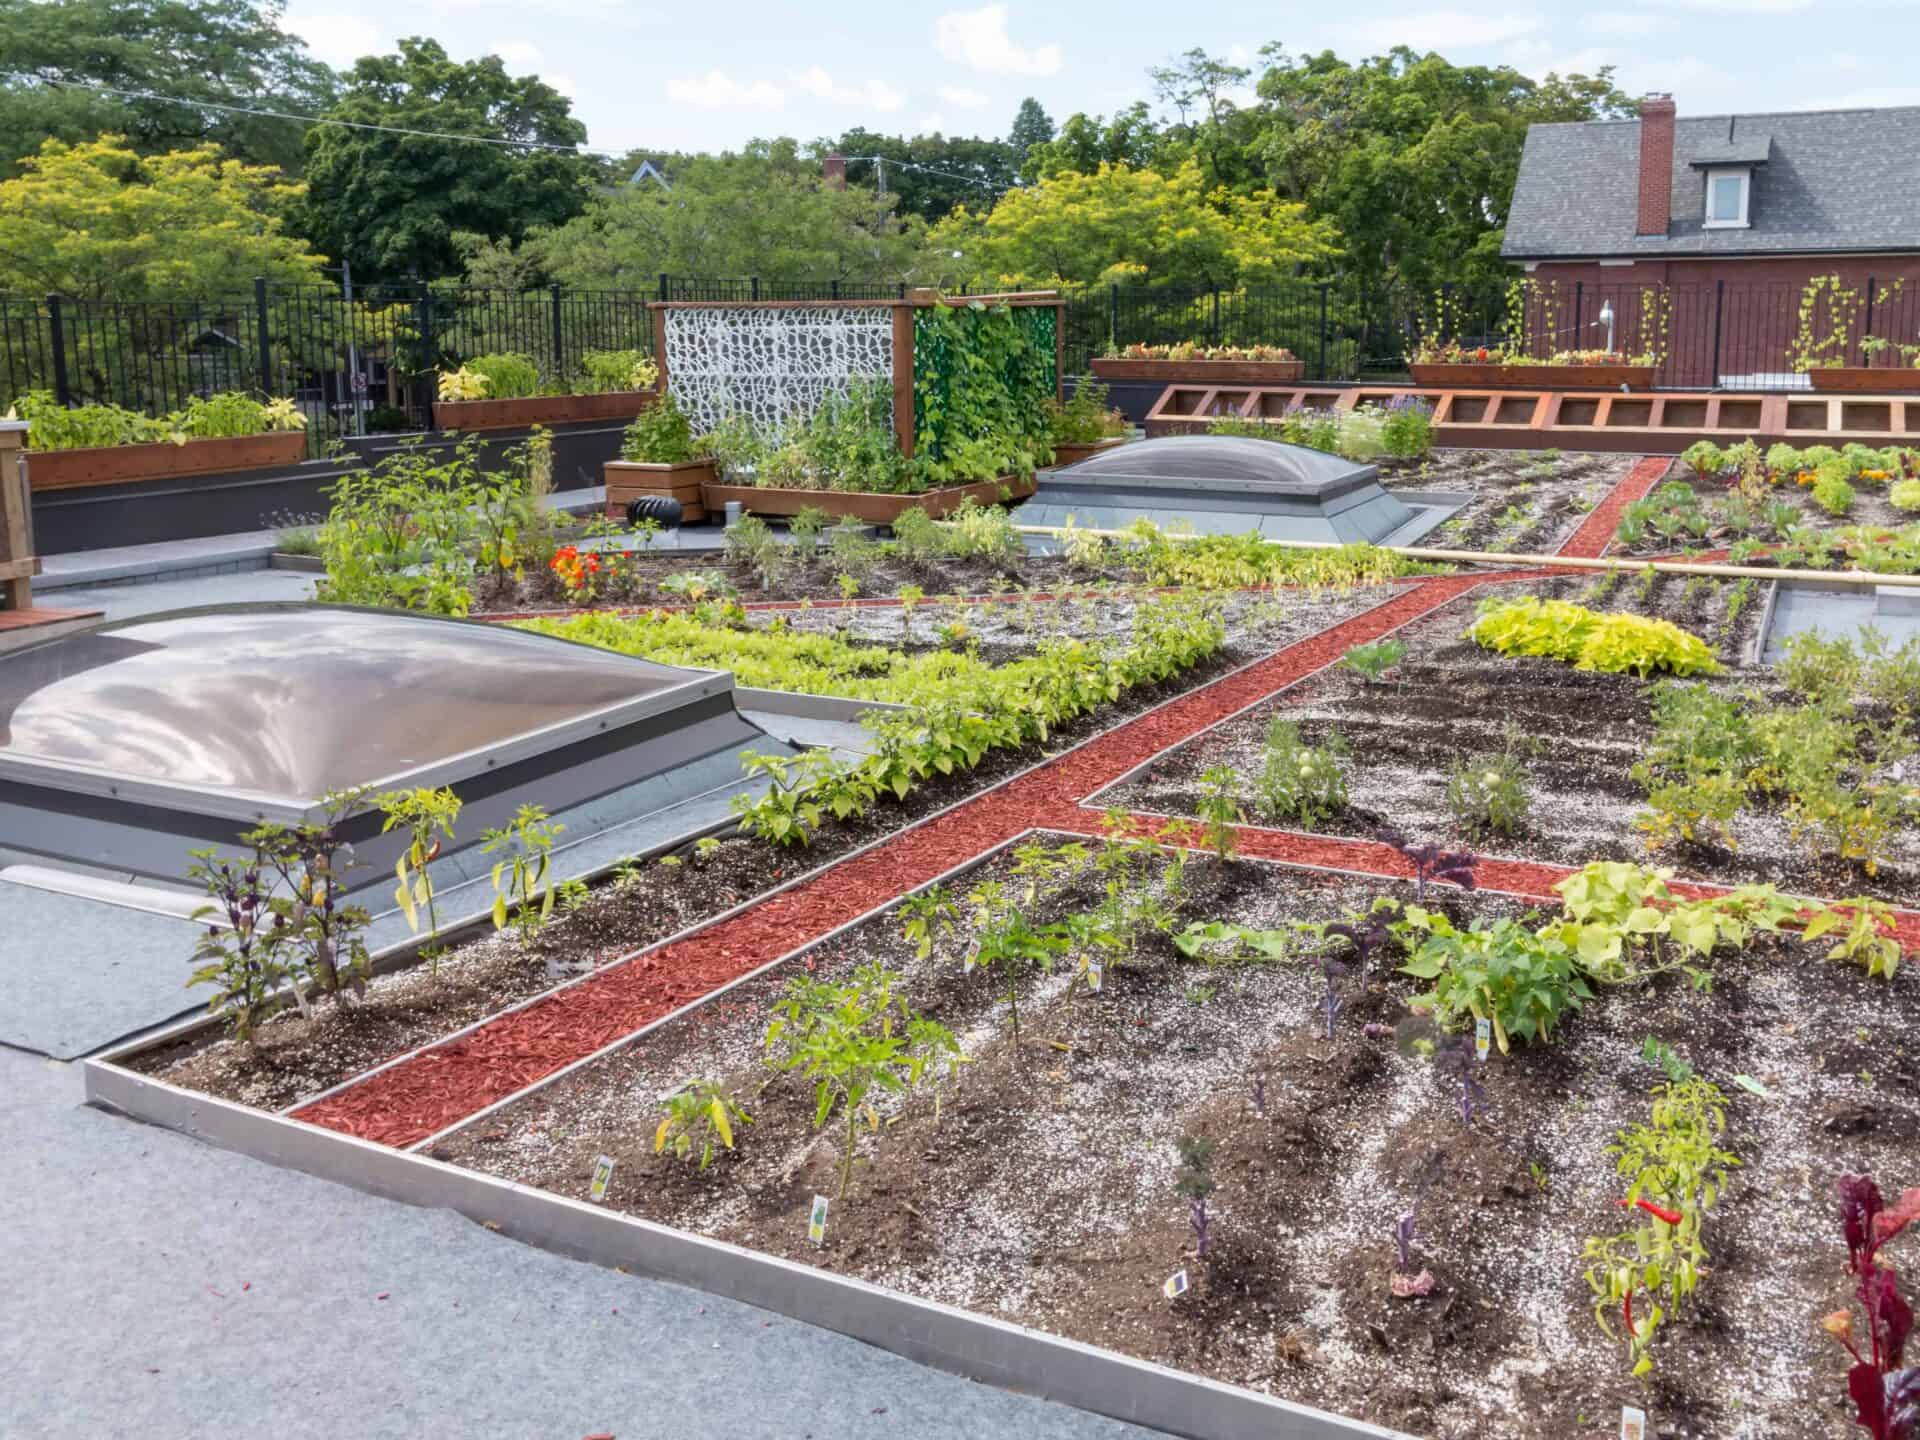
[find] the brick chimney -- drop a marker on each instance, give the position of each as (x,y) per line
(833,169)
(1656,165)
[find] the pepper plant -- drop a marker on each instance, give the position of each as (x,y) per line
(852,1041)
(523,875)
(427,816)
(244,958)
(1008,944)
(701,1108)
(1219,811)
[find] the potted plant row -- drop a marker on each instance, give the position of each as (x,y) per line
(74,446)
(507,391)
(1492,367)
(1193,363)
(1084,426)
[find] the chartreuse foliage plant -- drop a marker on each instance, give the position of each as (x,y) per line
(856,1041)
(53,426)
(1675,1170)
(1235,562)
(1611,643)
(698,1113)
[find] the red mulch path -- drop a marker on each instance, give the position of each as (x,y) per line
(438,1087)
(1595,534)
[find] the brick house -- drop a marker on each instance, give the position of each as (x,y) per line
(1732,214)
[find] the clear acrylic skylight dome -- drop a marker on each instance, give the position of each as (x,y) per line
(288,703)
(1183,461)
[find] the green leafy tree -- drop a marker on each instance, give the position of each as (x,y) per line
(99,221)
(763,211)
(1139,227)
(1086,142)
(1031,126)
(228,52)
(391,204)
(928,175)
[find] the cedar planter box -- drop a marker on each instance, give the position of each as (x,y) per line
(873,509)
(1867,379)
(114,464)
(525,410)
(1073,454)
(1535,377)
(1172,372)
(628,480)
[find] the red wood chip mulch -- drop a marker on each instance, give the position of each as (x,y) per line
(424,1094)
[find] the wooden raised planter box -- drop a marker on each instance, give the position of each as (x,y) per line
(525,410)
(1534,377)
(873,509)
(114,464)
(1170,372)
(1073,454)
(1865,379)
(628,480)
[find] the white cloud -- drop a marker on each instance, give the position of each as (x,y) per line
(1624,22)
(717,90)
(1868,98)
(966,99)
(338,39)
(874,95)
(1447,31)
(979,39)
(1746,7)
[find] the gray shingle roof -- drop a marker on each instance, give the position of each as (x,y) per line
(1833,180)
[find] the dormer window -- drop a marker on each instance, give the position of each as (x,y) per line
(1727,192)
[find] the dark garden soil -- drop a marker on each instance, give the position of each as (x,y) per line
(1580,734)
(1871,507)
(292,1059)
(1041,1189)
(1524,502)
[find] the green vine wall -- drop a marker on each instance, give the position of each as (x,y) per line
(982,379)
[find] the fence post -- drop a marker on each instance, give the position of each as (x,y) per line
(266,343)
(429,354)
(1866,355)
(1113,317)
(559,344)
(663,285)
(62,388)
(1579,317)
(1719,299)
(756,287)
(833,288)
(1322,374)
(1214,329)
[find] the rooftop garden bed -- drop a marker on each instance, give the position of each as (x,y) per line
(1530,353)
(1257,1160)
(508,391)
(85,445)
(1191,360)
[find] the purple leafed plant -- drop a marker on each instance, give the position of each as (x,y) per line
(1431,862)
(1195,1182)
(1452,1056)
(1884,1390)
(1368,935)
(1333,972)
(1260,1093)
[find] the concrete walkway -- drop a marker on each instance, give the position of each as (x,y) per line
(157,1288)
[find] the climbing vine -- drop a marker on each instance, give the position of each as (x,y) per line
(982,377)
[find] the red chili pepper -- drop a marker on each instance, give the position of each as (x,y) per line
(1626,1308)
(1659,1212)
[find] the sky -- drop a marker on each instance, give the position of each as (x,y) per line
(646,74)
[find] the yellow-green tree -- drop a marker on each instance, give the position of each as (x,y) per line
(1120,225)
(99,221)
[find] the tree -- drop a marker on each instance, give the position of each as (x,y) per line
(1031,126)
(764,211)
(1217,130)
(230,52)
(929,175)
(1085,143)
(102,222)
(1412,157)
(1126,226)
(390,203)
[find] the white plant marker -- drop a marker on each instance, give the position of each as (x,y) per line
(1633,1423)
(1096,975)
(1482,1038)
(817,1221)
(1176,1285)
(602,1177)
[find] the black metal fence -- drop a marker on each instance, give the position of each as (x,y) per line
(368,361)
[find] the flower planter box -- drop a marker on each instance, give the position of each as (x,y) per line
(1865,379)
(1535,377)
(1064,455)
(628,480)
(874,509)
(528,410)
(1169,372)
(114,464)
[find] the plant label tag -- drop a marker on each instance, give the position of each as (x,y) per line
(1096,975)
(1752,1086)
(971,959)
(602,1176)
(1176,1285)
(1482,1038)
(817,1221)
(1633,1423)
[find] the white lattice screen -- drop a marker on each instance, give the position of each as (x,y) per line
(775,363)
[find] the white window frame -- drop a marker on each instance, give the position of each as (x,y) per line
(1745,177)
